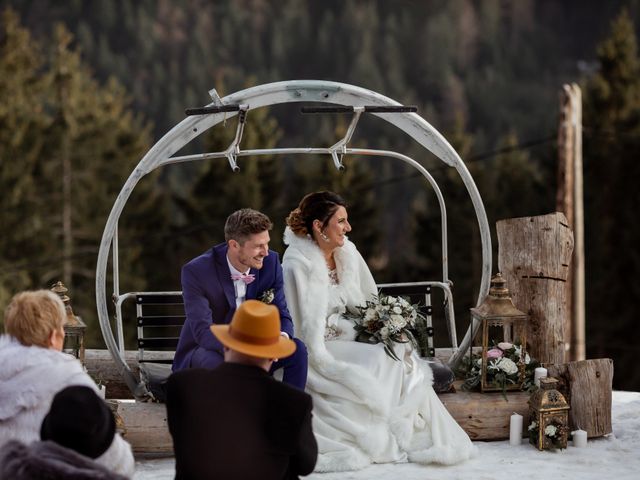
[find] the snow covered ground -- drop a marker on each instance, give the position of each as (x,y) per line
(614,457)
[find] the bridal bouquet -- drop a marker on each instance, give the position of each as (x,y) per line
(387,320)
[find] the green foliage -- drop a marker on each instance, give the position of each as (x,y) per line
(484,73)
(59,123)
(611,148)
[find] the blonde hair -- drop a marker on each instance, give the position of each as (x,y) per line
(31,317)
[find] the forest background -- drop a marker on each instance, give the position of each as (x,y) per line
(87,87)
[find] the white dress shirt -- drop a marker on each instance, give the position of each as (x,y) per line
(241,288)
(239,285)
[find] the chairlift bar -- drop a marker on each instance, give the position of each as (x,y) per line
(367,108)
(213,109)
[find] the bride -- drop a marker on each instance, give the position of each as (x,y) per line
(368,408)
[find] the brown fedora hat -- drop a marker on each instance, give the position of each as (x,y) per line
(255,331)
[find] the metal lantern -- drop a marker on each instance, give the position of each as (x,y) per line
(548,416)
(502,324)
(74,327)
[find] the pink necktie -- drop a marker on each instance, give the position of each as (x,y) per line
(247,278)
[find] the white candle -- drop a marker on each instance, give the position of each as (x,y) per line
(579,438)
(539,373)
(515,430)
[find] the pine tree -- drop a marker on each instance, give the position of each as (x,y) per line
(64,171)
(218,191)
(612,145)
(23,88)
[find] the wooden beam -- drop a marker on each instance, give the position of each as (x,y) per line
(143,425)
(102,368)
(578,340)
(484,416)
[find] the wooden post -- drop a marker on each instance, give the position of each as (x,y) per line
(578,340)
(569,200)
(534,254)
(564,193)
(587,386)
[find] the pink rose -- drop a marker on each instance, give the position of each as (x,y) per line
(494,353)
(505,346)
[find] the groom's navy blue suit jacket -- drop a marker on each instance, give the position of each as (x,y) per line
(209,297)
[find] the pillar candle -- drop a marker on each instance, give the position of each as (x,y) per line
(515,430)
(540,372)
(579,438)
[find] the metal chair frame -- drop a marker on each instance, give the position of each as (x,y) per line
(357,100)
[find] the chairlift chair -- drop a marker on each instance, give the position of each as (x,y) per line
(340,98)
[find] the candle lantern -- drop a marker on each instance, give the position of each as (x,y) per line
(548,416)
(74,327)
(504,339)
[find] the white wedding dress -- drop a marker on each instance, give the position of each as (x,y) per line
(368,408)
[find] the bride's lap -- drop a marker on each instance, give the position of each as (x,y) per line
(371,357)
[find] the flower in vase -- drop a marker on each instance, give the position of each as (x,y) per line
(494,353)
(508,366)
(550,430)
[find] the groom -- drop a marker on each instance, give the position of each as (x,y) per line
(218,281)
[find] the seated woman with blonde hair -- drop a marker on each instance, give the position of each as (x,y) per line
(367,407)
(34,369)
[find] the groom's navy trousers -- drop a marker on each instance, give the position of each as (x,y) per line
(209,298)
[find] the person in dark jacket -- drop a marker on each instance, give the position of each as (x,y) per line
(78,430)
(236,421)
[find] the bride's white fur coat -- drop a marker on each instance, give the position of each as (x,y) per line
(354,422)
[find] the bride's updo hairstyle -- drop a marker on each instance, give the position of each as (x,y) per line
(314,206)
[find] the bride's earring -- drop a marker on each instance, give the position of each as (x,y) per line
(324,237)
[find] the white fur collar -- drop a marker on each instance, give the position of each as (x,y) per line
(304,259)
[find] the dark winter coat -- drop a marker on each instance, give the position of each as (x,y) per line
(237,422)
(49,461)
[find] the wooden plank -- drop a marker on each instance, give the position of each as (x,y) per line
(534,256)
(143,425)
(102,368)
(587,386)
(485,416)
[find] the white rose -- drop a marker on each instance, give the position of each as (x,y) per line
(527,359)
(507,366)
(550,430)
(398,321)
(397,310)
(384,333)
(370,314)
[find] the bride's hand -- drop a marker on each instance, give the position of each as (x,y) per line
(346,329)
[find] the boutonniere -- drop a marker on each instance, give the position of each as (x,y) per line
(268,296)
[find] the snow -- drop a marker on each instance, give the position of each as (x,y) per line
(616,456)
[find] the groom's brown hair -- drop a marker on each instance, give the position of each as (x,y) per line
(241,224)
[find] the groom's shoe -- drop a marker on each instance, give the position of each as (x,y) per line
(443,376)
